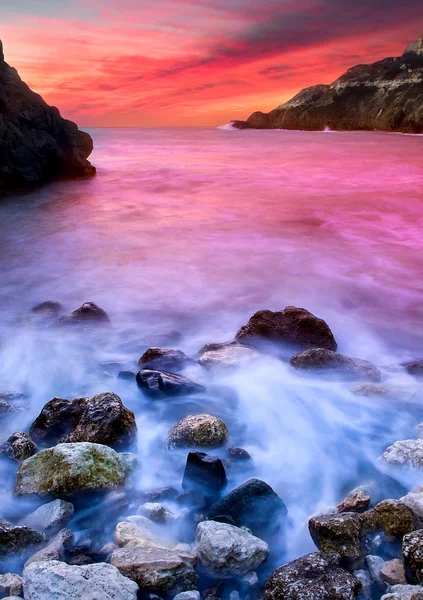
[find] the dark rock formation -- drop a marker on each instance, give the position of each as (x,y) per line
(414,367)
(412,545)
(102,419)
(36,143)
(88,313)
(313,576)
(18,447)
(15,539)
(254,504)
(328,362)
(292,325)
(164,359)
(204,473)
(386,95)
(158,384)
(341,534)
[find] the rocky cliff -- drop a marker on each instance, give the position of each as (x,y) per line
(36,144)
(386,95)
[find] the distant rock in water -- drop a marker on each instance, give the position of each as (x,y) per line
(386,95)
(36,143)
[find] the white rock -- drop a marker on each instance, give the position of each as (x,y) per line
(406,453)
(228,356)
(156,512)
(139,531)
(191,595)
(403,592)
(227,551)
(58,581)
(10,584)
(415,501)
(49,516)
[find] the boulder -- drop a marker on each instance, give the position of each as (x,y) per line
(164,359)
(332,363)
(205,473)
(225,551)
(102,419)
(48,309)
(50,516)
(405,453)
(10,585)
(159,384)
(295,326)
(198,431)
(375,565)
(238,454)
(68,469)
(17,539)
(253,504)
(138,530)
(156,570)
(227,356)
(415,501)
(89,314)
(156,512)
(339,533)
(390,516)
(58,581)
(36,143)
(393,572)
(404,592)
(18,447)
(55,550)
(414,367)
(315,576)
(412,553)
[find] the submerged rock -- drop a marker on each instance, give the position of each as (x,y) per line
(156,570)
(36,144)
(18,447)
(389,392)
(315,576)
(58,581)
(15,539)
(102,419)
(227,356)
(205,473)
(164,359)
(159,384)
(225,551)
(198,431)
(88,313)
(68,469)
(50,516)
(292,325)
(326,361)
(405,453)
(253,504)
(414,367)
(412,553)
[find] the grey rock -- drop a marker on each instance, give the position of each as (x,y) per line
(164,359)
(191,595)
(375,565)
(36,144)
(156,569)
(321,360)
(225,551)
(404,592)
(67,469)
(366,581)
(18,447)
(405,453)
(10,584)
(55,549)
(58,581)
(50,516)
(156,512)
(227,356)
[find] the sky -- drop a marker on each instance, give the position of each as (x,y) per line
(126,63)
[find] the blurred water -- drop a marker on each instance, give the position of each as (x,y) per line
(193,230)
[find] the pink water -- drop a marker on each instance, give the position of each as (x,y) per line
(194,230)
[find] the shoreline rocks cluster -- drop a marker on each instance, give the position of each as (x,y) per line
(207,540)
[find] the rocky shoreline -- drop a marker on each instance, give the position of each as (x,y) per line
(36,143)
(95,534)
(386,96)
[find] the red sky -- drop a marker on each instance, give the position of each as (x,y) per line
(193,62)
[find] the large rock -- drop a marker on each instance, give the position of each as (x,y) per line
(157,570)
(204,473)
(18,447)
(292,325)
(164,359)
(385,95)
(36,144)
(325,361)
(87,314)
(50,516)
(405,453)
(159,384)
(225,551)
(412,553)
(316,576)
(102,419)
(390,516)
(68,469)
(253,504)
(17,539)
(58,581)
(339,533)
(226,356)
(198,431)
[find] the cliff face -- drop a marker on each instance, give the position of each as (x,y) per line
(386,95)
(36,144)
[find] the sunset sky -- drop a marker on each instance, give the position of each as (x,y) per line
(193,62)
